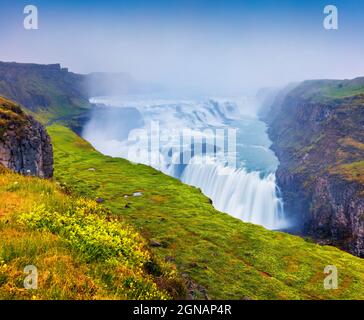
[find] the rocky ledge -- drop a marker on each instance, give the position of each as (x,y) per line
(317,130)
(25,146)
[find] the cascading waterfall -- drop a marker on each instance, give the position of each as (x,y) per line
(244,195)
(248,192)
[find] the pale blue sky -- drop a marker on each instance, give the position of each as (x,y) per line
(225,46)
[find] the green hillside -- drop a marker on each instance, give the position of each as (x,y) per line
(323,90)
(221,256)
(11,115)
(48,91)
(79,250)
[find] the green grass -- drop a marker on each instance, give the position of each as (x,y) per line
(52,114)
(228,258)
(326,90)
(79,251)
(352,171)
(11,116)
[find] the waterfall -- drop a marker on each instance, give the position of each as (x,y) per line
(248,192)
(243,195)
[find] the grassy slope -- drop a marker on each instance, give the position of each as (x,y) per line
(21,246)
(79,252)
(350,170)
(229,258)
(324,90)
(11,115)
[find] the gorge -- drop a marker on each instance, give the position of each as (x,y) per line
(247,191)
(172,226)
(319,172)
(316,128)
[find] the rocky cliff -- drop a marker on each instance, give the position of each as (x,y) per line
(25,146)
(317,129)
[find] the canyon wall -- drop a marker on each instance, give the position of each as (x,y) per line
(317,129)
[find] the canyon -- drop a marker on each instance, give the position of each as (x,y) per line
(316,128)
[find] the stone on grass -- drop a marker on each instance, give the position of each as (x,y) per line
(154,243)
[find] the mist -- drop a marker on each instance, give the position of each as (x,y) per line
(205,48)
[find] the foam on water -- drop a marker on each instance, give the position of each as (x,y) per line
(248,192)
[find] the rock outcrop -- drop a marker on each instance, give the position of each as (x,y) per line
(317,131)
(25,146)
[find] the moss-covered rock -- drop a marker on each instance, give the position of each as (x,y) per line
(25,146)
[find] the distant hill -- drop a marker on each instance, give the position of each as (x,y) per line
(325,90)
(53,93)
(48,90)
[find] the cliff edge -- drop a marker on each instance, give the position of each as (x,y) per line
(25,146)
(317,129)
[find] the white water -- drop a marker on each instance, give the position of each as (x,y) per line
(244,195)
(247,192)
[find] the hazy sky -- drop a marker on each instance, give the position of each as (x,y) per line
(215,46)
